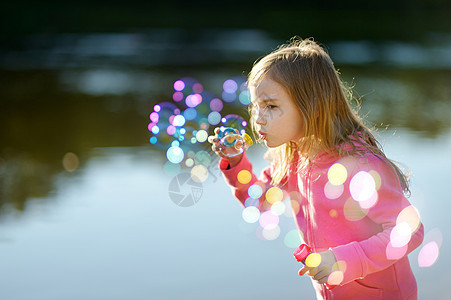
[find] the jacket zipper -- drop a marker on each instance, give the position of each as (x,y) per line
(310,237)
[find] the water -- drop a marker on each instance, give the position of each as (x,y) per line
(111,231)
(86,209)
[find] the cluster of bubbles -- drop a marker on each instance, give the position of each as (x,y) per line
(275,207)
(363,189)
(181,126)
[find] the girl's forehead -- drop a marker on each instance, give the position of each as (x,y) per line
(266,89)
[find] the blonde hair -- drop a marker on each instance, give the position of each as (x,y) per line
(308,74)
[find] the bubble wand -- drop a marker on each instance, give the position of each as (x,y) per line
(231,142)
(301,254)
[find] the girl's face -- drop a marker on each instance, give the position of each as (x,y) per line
(277,118)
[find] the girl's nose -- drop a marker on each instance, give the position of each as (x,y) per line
(260,120)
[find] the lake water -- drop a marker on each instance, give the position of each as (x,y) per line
(87,202)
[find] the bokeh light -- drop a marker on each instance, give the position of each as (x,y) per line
(251,214)
(199,173)
(198,88)
(150,126)
(333,191)
(333,213)
(395,253)
(255,191)
(377,178)
(228,97)
(171,130)
(251,202)
(177,96)
(337,174)
(274,194)
(190,114)
(278,208)
(157,108)
(155,129)
(153,140)
(353,211)
(363,188)
(178,121)
(313,260)
(244,176)
(70,162)
(400,235)
(193,100)
(216,105)
(428,254)
(214,118)
(410,216)
(154,117)
(201,136)
(175,154)
(335,278)
(268,218)
(230,86)
(189,162)
(245,97)
(179,85)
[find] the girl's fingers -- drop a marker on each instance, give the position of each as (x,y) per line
(303,271)
(321,276)
(324,279)
(320,269)
(213,139)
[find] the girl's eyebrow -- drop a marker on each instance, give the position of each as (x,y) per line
(266,100)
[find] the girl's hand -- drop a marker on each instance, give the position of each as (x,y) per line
(322,271)
(220,150)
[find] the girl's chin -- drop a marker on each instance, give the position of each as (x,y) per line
(270,144)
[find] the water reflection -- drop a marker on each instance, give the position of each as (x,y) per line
(431,53)
(41,122)
(413,99)
(66,94)
(156,47)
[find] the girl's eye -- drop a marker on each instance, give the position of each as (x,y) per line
(270,106)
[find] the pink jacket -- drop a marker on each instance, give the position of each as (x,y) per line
(330,218)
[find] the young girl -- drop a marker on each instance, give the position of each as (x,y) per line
(348,198)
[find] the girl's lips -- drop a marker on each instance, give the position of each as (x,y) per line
(262,135)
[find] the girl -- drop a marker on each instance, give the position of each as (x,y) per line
(348,198)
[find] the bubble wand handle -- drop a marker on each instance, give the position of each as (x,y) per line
(301,254)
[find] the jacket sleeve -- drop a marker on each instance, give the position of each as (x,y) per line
(395,240)
(241,177)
